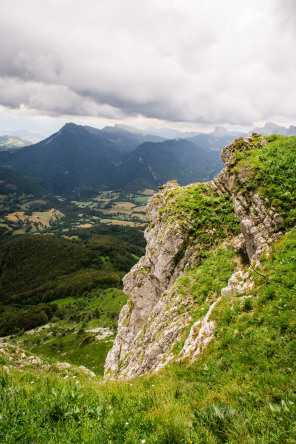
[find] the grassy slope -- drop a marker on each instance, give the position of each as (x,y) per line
(44,266)
(242,388)
(69,339)
(35,270)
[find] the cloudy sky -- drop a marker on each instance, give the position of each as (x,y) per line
(178,63)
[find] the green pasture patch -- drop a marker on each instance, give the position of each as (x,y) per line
(142,199)
(64,301)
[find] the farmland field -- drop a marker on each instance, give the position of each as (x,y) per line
(42,219)
(27,215)
(115,208)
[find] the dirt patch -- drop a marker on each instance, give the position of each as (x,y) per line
(122,222)
(85,226)
(148,192)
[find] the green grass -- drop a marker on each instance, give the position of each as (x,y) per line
(68,339)
(271,171)
(241,389)
(205,282)
(142,199)
(72,348)
(65,301)
(211,215)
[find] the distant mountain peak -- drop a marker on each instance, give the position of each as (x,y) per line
(220,131)
(272,128)
(127,128)
(130,129)
(70,125)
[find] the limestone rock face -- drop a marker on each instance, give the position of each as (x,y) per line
(201,333)
(257,222)
(145,284)
(156,316)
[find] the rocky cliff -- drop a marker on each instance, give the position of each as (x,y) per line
(195,244)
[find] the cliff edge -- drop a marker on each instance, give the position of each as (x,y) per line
(204,242)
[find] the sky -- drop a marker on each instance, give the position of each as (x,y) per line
(186,64)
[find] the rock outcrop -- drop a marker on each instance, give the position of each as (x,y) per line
(140,342)
(257,220)
(157,315)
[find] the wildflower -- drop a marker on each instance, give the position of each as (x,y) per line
(143,441)
(41,411)
(65,377)
(77,382)
(8,397)
(127,423)
(74,377)
(32,382)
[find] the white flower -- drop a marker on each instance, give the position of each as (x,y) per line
(143,441)
(74,377)
(32,382)
(127,423)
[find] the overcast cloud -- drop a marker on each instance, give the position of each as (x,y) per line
(203,62)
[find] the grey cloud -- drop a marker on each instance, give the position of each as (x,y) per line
(209,62)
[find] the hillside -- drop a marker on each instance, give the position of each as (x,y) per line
(152,164)
(129,137)
(209,324)
(12,183)
(25,207)
(214,141)
(74,158)
(36,270)
(11,143)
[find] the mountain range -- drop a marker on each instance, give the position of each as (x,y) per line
(271,128)
(84,159)
(153,164)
